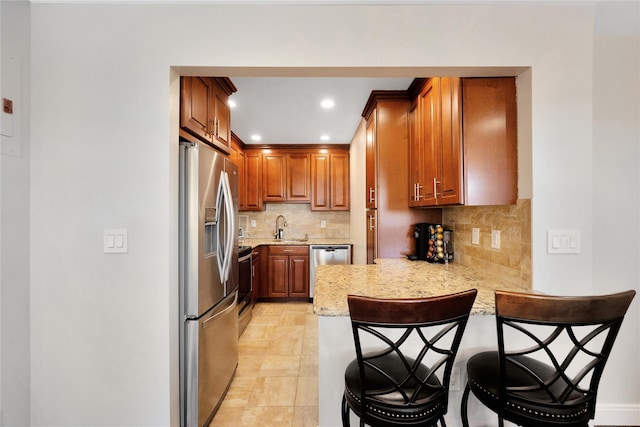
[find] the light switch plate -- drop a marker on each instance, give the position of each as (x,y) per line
(563,241)
(116,241)
(495,239)
(475,236)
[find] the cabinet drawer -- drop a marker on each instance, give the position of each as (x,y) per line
(289,250)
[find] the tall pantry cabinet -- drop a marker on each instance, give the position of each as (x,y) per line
(389,219)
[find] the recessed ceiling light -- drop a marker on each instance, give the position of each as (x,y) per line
(327,103)
(256,137)
(325,137)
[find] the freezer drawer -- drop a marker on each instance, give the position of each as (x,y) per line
(209,361)
(326,255)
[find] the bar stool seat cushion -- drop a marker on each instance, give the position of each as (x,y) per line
(483,370)
(388,403)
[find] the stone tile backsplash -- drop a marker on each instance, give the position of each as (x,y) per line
(512,262)
(301,221)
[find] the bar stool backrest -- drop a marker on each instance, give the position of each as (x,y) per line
(421,335)
(572,335)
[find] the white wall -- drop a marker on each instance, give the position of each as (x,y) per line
(14,218)
(103,136)
(616,182)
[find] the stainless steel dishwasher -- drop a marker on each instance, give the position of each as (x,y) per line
(326,255)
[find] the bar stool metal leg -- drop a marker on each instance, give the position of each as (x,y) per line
(463,406)
(345,413)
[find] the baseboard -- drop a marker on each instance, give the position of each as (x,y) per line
(617,415)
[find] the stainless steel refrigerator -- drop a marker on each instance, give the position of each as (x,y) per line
(208,281)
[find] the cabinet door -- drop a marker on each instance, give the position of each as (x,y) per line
(490,152)
(330,181)
(299,177)
(220,116)
(242,180)
(278,276)
(298,276)
(450,164)
(416,156)
(237,157)
(273,177)
(371,162)
(430,132)
(372,236)
(195,105)
(339,181)
(320,182)
(253,181)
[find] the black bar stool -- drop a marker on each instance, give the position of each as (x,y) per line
(553,381)
(404,381)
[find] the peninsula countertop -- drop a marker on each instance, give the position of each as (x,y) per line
(401,278)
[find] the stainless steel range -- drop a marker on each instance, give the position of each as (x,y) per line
(245,286)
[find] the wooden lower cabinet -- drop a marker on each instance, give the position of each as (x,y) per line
(288,272)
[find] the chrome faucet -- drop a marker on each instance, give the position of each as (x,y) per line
(279,232)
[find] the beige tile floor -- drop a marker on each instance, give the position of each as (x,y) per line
(276,383)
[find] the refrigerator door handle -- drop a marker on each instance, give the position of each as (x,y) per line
(225,248)
(219,246)
(231,226)
(221,313)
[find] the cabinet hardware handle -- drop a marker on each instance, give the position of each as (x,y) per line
(435,192)
(371,220)
(417,188)
(371,194)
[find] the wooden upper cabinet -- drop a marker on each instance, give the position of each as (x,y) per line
(204,110)
(320,182)
(286,177)
(416,150)
(330,181)
(237,157)
(274,177)
(339,178)
(423,127)
(467,131)
(490,152)
(194,103)
(221,125)
(371,157)
(449,151)
(301,174)
(253,180)
(299,177)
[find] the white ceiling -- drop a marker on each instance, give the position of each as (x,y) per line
(286,110)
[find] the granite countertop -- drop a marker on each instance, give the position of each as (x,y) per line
(401,278)
(253,242)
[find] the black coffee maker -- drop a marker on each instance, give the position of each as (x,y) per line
(433,243)
(421,234)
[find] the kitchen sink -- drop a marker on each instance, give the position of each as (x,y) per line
(290,240)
